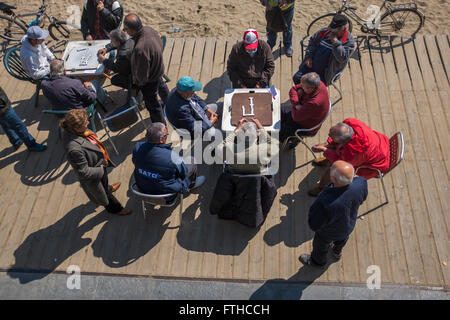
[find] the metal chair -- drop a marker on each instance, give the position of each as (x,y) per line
(336,78)
(91,111)
(396,150)
(120,118)
(298,133)
(159,199)
(13,65)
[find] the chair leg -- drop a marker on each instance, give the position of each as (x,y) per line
(306,145)
(102,105)
(181,208)
(384,190)
(286,142)
(340,93)
(36,99)
(143,208)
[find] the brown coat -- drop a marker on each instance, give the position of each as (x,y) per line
(246,71)
(147,57)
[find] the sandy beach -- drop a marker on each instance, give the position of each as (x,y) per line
(214,18)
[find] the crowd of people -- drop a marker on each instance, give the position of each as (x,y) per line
(138,65)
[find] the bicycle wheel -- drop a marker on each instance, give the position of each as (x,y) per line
(11,29)
(323,22)
(61,30)
(403,22)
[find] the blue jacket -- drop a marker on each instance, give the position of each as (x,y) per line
(67,93)
(180,113)
(155,172)
(333,215)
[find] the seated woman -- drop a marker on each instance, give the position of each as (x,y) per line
(251,154)
(89,159)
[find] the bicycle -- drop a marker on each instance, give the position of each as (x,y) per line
(393,21)
(13,27)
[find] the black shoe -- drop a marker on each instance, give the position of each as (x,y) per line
(307,261)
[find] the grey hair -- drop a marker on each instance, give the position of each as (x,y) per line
(119,35)
(344,137)
(57,68)
(340,178)
(312,80)
(155,132)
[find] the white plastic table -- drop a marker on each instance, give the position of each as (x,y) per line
(80,58)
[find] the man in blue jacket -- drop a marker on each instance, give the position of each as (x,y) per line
(158,170)
(184,107)
(328,51)
(333,215)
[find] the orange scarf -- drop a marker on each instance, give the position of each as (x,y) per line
(92,138)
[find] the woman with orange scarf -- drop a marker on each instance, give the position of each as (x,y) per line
(89,159)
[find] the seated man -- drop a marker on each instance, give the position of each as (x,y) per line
(184,107)
(254,155)
(66,93)
(34,54)
(250,63)
(99,18)
(328,51)
(356,143)
(122,65)
(155,169)
(310,105)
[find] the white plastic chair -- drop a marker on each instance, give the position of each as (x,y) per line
(157,199)
(298,133)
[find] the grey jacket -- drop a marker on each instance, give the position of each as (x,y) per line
(86,160)
(342,51)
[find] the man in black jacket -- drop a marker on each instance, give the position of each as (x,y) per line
(122,63)
(333,215)
(99,18)
(147,66)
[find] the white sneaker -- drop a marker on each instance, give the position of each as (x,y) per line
(199,181)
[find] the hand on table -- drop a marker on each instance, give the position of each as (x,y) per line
(101,57)
(241,124)
(87,84)
(101,52)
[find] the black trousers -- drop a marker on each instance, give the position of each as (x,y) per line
(321,247)
(121,80)
(150,92)
(114,205)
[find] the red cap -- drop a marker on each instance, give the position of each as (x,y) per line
(251,39)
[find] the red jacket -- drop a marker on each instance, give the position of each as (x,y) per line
(314,107)
(366,148)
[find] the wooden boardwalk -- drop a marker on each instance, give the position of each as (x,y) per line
(47,223)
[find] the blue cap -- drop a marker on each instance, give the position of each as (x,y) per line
(188,84)
(35,32)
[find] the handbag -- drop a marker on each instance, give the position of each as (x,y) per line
(275,20)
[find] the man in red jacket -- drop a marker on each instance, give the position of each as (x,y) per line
(355,142)
(309,106)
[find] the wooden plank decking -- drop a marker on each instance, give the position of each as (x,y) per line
(47,223)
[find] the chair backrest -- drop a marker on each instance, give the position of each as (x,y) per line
(13,65)
(156,199)
(165,115)
(320,123)
(396,150)
(121,117)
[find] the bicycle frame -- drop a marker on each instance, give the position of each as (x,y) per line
(351,13)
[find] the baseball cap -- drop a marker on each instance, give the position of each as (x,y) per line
(185,84)
(35,32)
(338,21)
(251,39)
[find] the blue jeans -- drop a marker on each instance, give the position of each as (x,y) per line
(15,129)
(287,36)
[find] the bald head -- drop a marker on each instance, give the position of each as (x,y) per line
(341,133)
(132,24)
(56,68)
(341,173)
